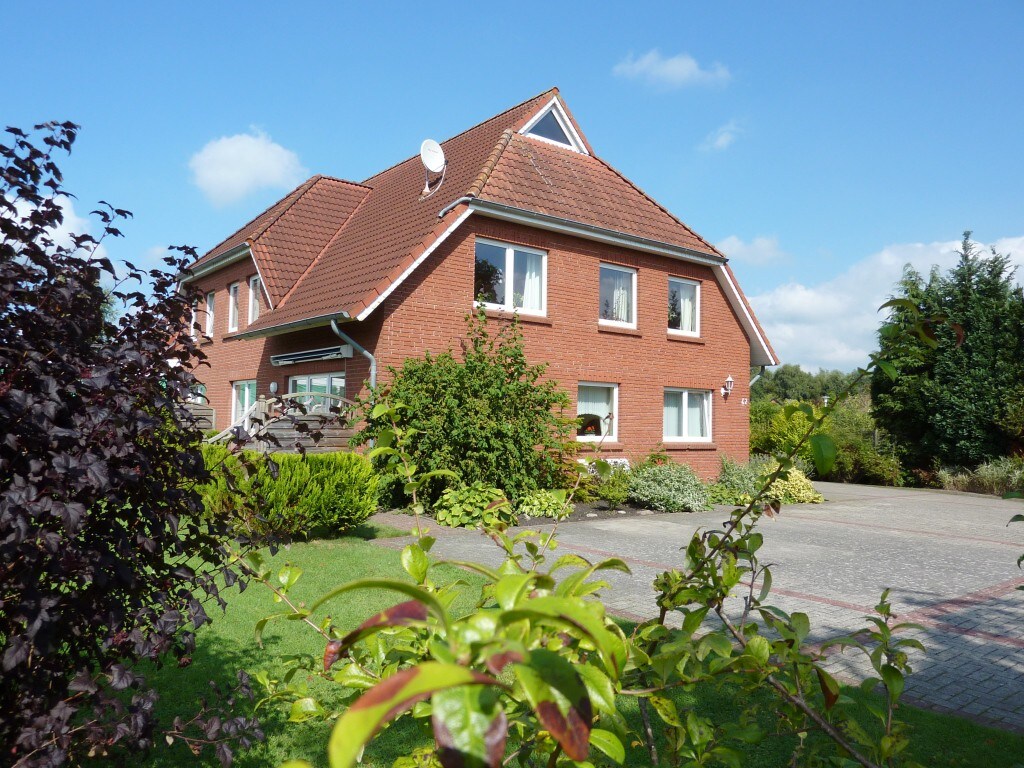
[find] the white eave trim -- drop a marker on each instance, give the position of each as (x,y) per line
(563,120)
(419,260)
(746,320)
(236,254)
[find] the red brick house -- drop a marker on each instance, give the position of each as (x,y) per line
(640,319)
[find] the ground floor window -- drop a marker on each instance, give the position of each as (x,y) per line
(197,394)
(243,395)
(314,387)
(597,405)
(687,414)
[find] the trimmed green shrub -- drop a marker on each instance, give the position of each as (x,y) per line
(544,504)
(315,494)
(470,506)
(614,489)
(668,488)
(864,453)
(487,415)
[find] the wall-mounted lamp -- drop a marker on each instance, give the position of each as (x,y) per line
(273,387)
(727,389)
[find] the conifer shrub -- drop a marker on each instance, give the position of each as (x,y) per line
(318,494)
(668,488)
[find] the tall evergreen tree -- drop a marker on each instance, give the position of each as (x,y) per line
(954,402)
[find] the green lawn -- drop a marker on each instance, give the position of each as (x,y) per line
(228,645)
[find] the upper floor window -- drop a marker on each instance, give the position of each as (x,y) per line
(684,306)
(233,307)
(552,124)
(210,303)
(254,298)
(510,277)
(618,296)
(687,415)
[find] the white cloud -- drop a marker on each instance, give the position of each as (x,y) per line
(833,324)
(721,138)
(758,252)
(673,72)
(231,167)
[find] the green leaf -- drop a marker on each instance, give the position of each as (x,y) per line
(904,304)
(393,695)
(801,624)
(823,449)
(609,743)
(305,709)
(510,589)
(1016,518)
(714,642)
(288,576)
(759,648)
(379,410)
(829,687)
(416,593)
(699,729)
(888,369)
(470,727)
(666,709)
(262,625)
(893,680)
(559,697)
(599,687)
(399,615)
(415,562)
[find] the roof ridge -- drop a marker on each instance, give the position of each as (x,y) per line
(477,187)
(343,181)
(553,90)
(316,259)
(658,205)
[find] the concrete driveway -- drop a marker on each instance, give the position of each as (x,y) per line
(949,558)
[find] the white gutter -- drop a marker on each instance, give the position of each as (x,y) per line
(237,253)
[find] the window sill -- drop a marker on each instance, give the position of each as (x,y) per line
(689,446)
(602,328)
(608,445)
(501,314)
(673,336)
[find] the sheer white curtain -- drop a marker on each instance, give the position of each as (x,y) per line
(597,401)
(698,414)
(529,285)
(673,414)
(688,308)
(616,295)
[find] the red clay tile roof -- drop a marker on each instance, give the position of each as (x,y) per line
(333,247)
(287,237)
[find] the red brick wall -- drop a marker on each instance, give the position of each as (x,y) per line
(426,313)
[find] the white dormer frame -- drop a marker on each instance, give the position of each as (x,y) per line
(555,106)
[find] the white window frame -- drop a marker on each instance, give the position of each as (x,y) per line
(307,376)
(617,323)
(685,392)
(254,298)
(237,408)
(564,123)
(233,307)
(193,320)
(613,436)
(211,303)
(510,251)
(695,333)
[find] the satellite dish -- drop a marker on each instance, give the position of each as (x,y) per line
(432,156)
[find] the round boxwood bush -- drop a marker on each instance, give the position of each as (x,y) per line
(668,488)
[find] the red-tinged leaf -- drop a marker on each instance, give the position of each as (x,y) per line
(470,727)
(396,616)
(498,661)
(331,654)
(829,687)
(387,699)
(560,699)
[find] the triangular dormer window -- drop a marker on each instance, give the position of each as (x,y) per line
(552,125)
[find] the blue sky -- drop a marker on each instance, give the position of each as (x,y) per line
(820,145)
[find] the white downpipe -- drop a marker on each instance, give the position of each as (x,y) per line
(358,348)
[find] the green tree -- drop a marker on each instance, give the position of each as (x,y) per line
(791,382)
(954,401)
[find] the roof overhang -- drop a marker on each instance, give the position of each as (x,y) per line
(298,325)
(238,253)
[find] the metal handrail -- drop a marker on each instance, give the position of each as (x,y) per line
(223,434)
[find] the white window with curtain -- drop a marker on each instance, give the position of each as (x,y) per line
(211,298)
(683,307)
(314,387)
(243,395)
(510,278)
(597,406)
(687,415)
(254,298)
(233,307)
(618,296)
